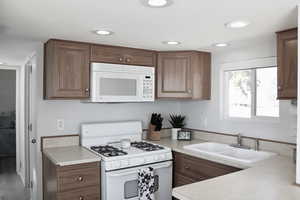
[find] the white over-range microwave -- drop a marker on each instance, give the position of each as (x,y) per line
(122,83)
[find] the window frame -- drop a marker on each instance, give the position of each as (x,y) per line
(224,87)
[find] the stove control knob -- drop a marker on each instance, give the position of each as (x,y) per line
(124,163)
(108,165)
(169,156)
(116,164)
(162,157)
(149,159)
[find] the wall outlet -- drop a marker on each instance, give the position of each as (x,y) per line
(60,124)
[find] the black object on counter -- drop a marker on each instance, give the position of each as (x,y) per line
(156,120)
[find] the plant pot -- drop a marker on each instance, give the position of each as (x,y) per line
(174,133)
(152,134)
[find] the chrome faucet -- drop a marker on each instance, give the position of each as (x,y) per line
(239,143)
(256,147)
(239,139)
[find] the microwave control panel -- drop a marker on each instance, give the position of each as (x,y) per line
(148,87)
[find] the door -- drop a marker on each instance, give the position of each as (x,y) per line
(122,184)
(174,79)
(287,64)
(30,134)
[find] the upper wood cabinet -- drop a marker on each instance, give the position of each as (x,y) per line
(122,55)
(184,75)
(287,61)
(66,70)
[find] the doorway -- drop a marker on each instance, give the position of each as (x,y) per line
(12,149)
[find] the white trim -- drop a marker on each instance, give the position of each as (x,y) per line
(243,65)
(248,64)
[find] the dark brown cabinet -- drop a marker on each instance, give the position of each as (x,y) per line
(66,70)
(189,169)
(81,181)
(122,55)
(184,75)
(287,63)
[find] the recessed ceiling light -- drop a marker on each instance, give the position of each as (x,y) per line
(237,24)
(171,42)
(157,3)
(1,63)
(103,32)
(221,44)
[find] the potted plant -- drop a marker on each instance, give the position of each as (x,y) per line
(177,122)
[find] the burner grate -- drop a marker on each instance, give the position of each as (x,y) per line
(108,151)
(145,146)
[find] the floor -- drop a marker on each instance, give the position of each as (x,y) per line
(11,187)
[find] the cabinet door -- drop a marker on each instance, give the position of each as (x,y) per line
(174,79)
(139,57)
(287,45)
(122,55)
(66,70)
(107,54)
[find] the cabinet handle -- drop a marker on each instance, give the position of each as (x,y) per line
(80,178)
(121,59)
(81,198)
(279,87)
(87,89)
(189,90)
(186,167)
(128,60)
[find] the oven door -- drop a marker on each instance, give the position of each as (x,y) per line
(122,184)
(116,87)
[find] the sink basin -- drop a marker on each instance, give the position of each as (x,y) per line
(208,147)
(227,152)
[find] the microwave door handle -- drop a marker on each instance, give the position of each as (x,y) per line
(135,171)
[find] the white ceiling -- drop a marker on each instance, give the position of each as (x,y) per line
(196,23)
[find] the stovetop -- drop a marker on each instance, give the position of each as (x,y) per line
(108,151)
(145,146)
(114,150)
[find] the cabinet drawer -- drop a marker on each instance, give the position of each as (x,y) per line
(88,193)
(78,178)
(200,169)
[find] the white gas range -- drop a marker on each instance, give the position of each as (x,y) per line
(119,166)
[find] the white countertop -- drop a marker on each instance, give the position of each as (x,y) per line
(70,155)
(272,179)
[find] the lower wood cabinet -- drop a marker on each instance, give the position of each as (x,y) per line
(189,169)
(78,182)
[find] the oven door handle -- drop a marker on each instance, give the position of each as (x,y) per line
(135,171)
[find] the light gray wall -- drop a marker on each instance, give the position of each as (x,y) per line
(7,90)
(205,115)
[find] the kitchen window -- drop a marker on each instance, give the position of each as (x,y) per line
(250,93)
